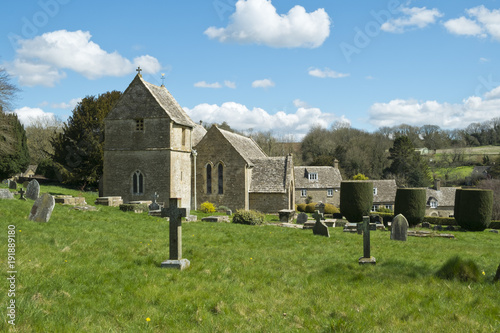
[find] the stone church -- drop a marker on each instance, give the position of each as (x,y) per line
(148,148)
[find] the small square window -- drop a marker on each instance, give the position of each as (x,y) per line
(374,208)
(139,124)
(303,193)
(388,207)
(434,204)
(329,192)
(375,191)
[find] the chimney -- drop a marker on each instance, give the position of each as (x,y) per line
(437,184)
(336,163)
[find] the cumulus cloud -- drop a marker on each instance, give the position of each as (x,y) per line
(27,116)
(414,17)
(43,59)
(265,83)
(63,105)
(446,115)
(242,118)
(230,84)
(327,72)
(256,21)
(482,22)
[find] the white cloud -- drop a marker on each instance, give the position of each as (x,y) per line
(446,115)
(482,59)
(327,72)
(414,17)
(263,83)
(41,60)
(203,84)
(482,22)
(63,105)
(256,21)
(230,84)
(241,118)
(27,115)
(300,104)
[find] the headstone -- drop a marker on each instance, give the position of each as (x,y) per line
(320,228)
(6,194)
(33,190)
(191,218)
(154,205)
(286,215)
(21,193)
(426,225)
(320,207)
(302,218)
(13,185)
(42,208)
(399,228)
(229,212)
(366,258)
(175,215)
(438,227)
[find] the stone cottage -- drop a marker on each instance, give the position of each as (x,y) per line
(384,194)
(318,183)
(233,171)
(440,200)
(148,146)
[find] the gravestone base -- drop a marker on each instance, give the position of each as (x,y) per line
(369,261)
(176,264)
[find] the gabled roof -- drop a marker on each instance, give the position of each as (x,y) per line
(445,196)
(151,100)
(271,174)
(386,190)
(198,133)
(328,177)
(246,147)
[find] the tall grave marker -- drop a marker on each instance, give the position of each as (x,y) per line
(366,258)
(175,214)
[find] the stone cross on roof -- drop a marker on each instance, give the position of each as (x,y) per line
(139,70)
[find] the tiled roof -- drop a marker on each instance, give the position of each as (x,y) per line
(386,190)
(271,174)
(445,196)
(246,147)
(328,177)
(198,133)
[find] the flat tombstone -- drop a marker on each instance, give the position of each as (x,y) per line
(33,190)
(320,227)
(42,208)
(13,185)
(399,228)
(302,218)
(6,194)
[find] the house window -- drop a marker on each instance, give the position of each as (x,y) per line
(388,207)
(313,176)
(375,191)
(137,183)
(209,179)
(329,192)
(374,208)
(303,193)
(139,124)
(434,204)
(221,178)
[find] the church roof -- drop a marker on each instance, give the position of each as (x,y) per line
(327,177)
(198,133)
(271,174)
(246,147)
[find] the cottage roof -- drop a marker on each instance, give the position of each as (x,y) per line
(198,133)
(271,174)
(386,190)
(445,196)
(246,147)
(327,177)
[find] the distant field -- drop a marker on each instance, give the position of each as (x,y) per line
(452,174)
(488,150)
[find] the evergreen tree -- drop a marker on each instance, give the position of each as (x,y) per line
(78,150)
(14,155)
(407,165)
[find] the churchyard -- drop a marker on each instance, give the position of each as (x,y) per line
(100,271)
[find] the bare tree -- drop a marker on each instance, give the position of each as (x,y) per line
(40,134)
(7,91)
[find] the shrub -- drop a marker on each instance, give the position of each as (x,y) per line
(301,207)
(331,209)
(134,207)
(459,269)
(473,208)
(356,199)
(411,203)
(250,217)
(223,209)
(207,207)
(360,176)
(310,207)
(384,210)
(438,220)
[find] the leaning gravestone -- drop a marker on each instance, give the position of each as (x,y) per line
(302,218)
(399,228)
(6,194)
(33,190)
(42,208)
(13,185)
(320,227)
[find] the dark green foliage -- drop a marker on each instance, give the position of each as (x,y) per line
(438,220)
(473,208)
(14,153)
(301,207)
(47,169)
(331,209)
(459,269)
(310,207)
(411,203)
(408,166)
(250,217)
(356,199)
(79,148)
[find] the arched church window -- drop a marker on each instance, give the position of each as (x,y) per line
(209,179)
(221,178)
(137,183)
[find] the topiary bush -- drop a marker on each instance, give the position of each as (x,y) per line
(250,217)
(411,203)
(207,207)
(459,269)
(473,208)
(331,209)
(301,207)
(356,199)
(310,207)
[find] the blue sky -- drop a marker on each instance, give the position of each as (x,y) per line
(278,65)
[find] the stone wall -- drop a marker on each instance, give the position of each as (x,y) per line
(269,203)
(440,211)
(317,196)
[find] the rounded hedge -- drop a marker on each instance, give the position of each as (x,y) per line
(410,202)
(473,208)
(301,207)
(356,199)
(310,207)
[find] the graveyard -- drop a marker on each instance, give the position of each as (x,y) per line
(101,271)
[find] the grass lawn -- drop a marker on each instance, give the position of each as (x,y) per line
(453,174)
(99,272)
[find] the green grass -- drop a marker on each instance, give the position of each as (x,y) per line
(99,272)
(453,174)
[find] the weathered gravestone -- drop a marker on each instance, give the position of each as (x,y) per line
(33,190)
(302,218)
(6,194)
(320,207)
(175,215)
(13,185)
(366,258)
(399,228)
(320,227)
(154,205)
(42,208)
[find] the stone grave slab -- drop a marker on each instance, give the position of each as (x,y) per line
(113,201)
(42,208)
(216,218)
(286,215)
(6,194)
